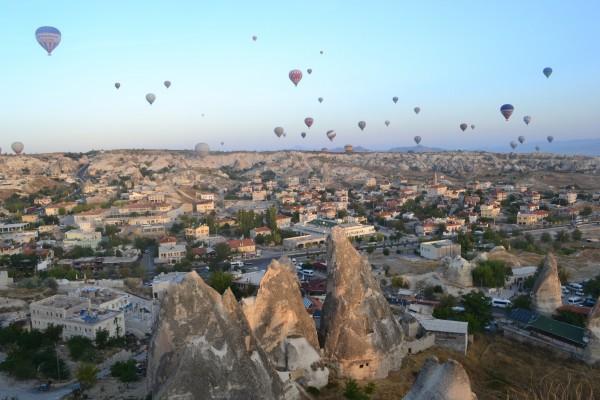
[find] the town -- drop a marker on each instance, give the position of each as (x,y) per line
(91,243)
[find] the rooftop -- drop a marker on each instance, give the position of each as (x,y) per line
(62,302)
(444,325)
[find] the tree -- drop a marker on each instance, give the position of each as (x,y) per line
(271,218)
(561,236)
(586,211)
(81,349)
(491,273)
(102,337)
(124,370)
(86,375)
(222,252)
(546,238)
(478,310)
(220,281)
(352,391)
(576,235)
(523,301)
(370,249)
(386,251)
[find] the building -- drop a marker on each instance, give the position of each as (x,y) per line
(283,221)
(77,317)
(170,253)
(450,334)
(304,241)
(531,218)
(439,249)
(569,196)
(13,228)
(259,195)
(490,211)
(81,238)
(244,246)
(60,208)
(261,230)
(197,233)
(205,206)
(30,218)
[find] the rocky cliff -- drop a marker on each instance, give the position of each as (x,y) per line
(592,355)
(546,293)
(459,271)
(203,348)
(283,327)
(447,381)
(360,334)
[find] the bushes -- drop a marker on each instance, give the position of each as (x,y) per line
(400,282)
(478,310)
(124,370)
(81,349)
(86,375)
(352,391)
(491,273)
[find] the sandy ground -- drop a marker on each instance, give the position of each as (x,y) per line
(111,388)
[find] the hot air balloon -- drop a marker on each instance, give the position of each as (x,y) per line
(48,37)
(417,110)
(547,71)
(417,139)
(117,85)
(348,149)
(150,97)
(254,38)
(331,135)
(513,144)
(550,139)
(17,147)
(387,123)
(506,110)
(308,121)
(303,134)
(167,84)
(537,148)
(361,125)
(527,119)
(222,143)
(295,76)
(321,52)
(320,99)
(278,131)
(521,139)
(395,99)
(463,127)
(309,71)
(472,126)
(202,149)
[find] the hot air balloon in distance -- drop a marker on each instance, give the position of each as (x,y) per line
(387,122)
(463,127)
(348,149)
(320,99)
(279,131)
(331,135)
(513,145)
(202,114)
(537,148)
(417,110)
(308,121)
(254,38)
(284,134)
(167,84)
(547,72)
(117,85)
(321,52)
(527,119)
(395,99)
(309,71)
(17,147)
(550,139)
(472,126)
(361,125)
(417,139)
(295,76)
(521,139)
(150,97)
(506,110)
(202,149)
(303,134)
(48,37)
(222,143)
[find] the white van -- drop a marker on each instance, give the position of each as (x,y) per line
(575,286)
(576,300)
(237,264)
(501,303)
(308,272)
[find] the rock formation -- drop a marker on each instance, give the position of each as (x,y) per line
(360,334)
(546,293)
(447,381)
(459,271)
(592,350)
(282,326)
(203,348)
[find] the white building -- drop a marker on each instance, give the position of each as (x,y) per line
(169,253)
(162,282)
(439,249)
(78,237)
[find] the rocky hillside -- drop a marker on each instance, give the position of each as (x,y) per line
(546,293)
(441,381)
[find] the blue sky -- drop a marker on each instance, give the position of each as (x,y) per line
(457,60)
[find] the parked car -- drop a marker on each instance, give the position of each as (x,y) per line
(576,300)
(501,303)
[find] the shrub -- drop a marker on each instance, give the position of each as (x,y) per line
(491,273)
(386,252)
(124,370)
(81,349)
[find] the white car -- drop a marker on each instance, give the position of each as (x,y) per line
(576,300)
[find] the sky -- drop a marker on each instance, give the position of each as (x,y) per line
(457,60)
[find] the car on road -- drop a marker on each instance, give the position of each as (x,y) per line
(575,300)
(501,303)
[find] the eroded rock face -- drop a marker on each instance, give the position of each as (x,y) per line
(459,272)
(592,355)
(360,334)
(203,348)
(546,293)
(447,381)
(282,326)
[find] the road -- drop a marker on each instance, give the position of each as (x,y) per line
(590,227)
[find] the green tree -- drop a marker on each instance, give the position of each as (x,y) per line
(370,249)
(546,238)
(87,375)
(102,337)
(220,281)
(124,370)
(491,273)
(271,218)
(386,251)
(81,349)
(478,310)
(352,391)
(222,252)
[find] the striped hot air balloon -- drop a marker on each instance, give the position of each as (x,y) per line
(308,121)
(295,76)
(48,37)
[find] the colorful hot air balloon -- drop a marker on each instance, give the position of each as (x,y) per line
(417,110)
(17,147)
(395,99)
(320,99)
(279,131)
(417,139)
(167,84)
(254,38)
(308,121)
(472,126)
(547,72)
(361,125)
(348,149)
(463,127)
(537,148)
(387,123)
(513,145)
(521,139)
(309,71)
(527,119)
(117,85)
(295,76)
(550,139)
(506,110)
(48,37)
(331,135)
(150,97)
(303,134)
(202,149)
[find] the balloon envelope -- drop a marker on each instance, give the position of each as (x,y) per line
(48,37)
(395,99)
(513,144)
(521,139)
(17,147)
(254,38)
(506,110)
(303,134)
(547,72)
(295,76)
(387,123)
(472,126)
(550,139)
(279,131)
(463,127)
(331,135)
(361,125)
(417,110)
(320,99)
(308,121)
(117,85)
(202,149)
(150,97)
(417,139)
(527,119)
(309,71)
(167,84)
(537,148)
